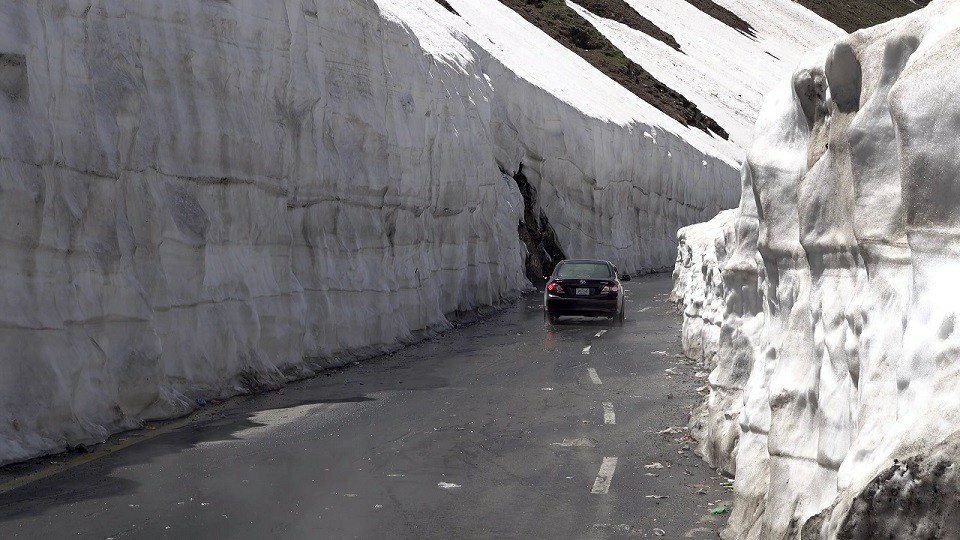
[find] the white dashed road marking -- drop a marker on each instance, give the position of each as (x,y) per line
(609,417)
(586,350)
(605,476)
(593,376)
(644,309)
(600,333)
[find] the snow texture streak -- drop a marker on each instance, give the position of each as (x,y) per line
(837,306)
(200,199)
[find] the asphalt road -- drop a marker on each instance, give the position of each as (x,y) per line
(506,428)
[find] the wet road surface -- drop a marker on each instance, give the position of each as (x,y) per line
(507,428)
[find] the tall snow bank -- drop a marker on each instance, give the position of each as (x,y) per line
(206,198)
(203,198)
(698,284)
(835,376)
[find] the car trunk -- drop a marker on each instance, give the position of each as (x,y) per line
(582,288)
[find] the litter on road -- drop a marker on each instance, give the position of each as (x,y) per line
(582,442)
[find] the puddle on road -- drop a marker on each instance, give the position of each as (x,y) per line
(270,419)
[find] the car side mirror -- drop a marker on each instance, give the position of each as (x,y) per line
(625,277)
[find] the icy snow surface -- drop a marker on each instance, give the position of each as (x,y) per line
(837,305)
(206,198)
(725,72)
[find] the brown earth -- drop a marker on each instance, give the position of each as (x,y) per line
(448,7)
(620,11)
(571,30)
(852,15)
(724,15)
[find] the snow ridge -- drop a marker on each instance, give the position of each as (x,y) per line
(835,372)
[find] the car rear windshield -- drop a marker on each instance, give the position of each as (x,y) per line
(584,271)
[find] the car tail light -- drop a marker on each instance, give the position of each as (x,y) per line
(611,289)
(554,288)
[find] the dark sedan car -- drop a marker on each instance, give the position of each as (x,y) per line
(584,287)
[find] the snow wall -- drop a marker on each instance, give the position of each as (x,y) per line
(203,198)
(827,303)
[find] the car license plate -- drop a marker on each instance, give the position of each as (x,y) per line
(583,292)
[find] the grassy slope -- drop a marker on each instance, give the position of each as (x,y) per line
(852,15)
(577,34)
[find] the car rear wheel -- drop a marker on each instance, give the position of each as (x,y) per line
(549,317)
(621,317)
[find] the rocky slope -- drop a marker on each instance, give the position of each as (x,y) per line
(832,325)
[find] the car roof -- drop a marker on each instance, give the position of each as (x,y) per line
(586,261)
